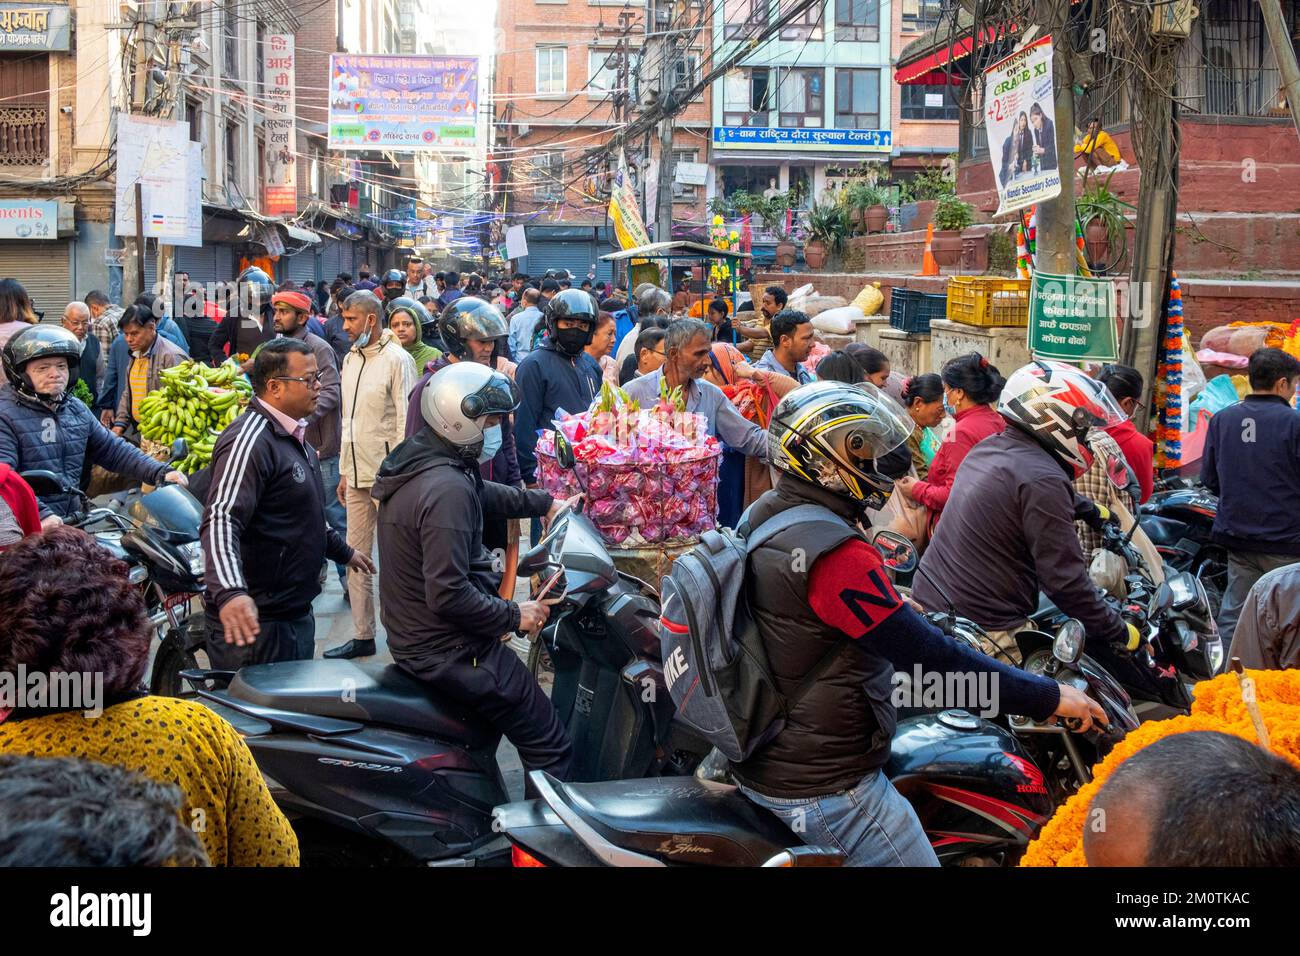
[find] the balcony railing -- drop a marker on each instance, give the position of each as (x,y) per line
(24,135)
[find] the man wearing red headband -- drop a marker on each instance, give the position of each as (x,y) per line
(291,311)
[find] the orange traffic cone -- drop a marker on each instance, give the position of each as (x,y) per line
(928,266)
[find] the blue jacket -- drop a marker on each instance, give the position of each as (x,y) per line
(1252,462)
(34,438)
(549,380)
(119,360)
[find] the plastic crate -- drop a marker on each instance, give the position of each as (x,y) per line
(913,311)
(988,301)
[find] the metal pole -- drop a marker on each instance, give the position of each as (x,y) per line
(1056,246)
(139,240)
(1280,40)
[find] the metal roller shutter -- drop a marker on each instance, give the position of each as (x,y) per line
(331,259)
(567,254)
(299,268)
(150,266)
(44,269)
(200,263)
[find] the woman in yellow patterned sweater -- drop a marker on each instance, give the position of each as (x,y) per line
(68,607)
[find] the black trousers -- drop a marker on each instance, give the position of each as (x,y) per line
(493,683)
(292,640)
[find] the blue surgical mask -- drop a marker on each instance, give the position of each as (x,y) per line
(363,339)
(952,412)
(491,444)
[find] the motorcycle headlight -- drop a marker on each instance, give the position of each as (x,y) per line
(1068,645)
(1185,591)
(193,553)
(1214,654)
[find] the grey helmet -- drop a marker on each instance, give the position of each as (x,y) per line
(457,399)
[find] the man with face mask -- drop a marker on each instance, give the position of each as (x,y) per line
(42,427)
(394,285)
(558,374)
(438,592)
(377,376)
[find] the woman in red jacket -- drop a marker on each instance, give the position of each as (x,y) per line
(970,387)
(19,514)
(1125,384)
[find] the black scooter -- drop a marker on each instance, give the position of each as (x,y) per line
(1178,519)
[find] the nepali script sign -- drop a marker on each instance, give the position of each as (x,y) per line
(280,165)
(26,26)
(1072,319)
(782,137)
(1020,116)
(403,103)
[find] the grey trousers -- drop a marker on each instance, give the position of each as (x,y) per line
(1244,569)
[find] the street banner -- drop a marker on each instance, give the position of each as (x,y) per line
(280,175)
(159,155)
(629,228)
(403,103)
(516,243)
(1072,319)
(1020,117)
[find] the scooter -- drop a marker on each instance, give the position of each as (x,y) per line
(1178,519)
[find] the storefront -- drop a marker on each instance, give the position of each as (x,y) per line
(33,250)
(576,248)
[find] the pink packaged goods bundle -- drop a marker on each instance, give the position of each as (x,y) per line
(650,475)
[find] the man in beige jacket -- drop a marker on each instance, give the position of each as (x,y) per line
(377,376)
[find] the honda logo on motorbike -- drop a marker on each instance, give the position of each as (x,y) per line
(675,667)
(1029,772)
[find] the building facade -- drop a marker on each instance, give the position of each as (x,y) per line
(924,120)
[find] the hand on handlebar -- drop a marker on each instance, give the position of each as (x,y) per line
(177,478)
(52,521)
(532,615)
(559,505)
(1079,711)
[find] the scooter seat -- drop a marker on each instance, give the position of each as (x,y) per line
(681,820)
(373,693)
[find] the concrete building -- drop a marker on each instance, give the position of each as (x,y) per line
(923,119)
(567,73)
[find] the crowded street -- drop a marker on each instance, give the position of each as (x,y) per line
(760,435)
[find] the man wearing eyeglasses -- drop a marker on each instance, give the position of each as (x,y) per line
(264,533)
(290,312)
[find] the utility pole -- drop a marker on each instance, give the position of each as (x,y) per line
(1284,52)
(1056,247)
(134,248)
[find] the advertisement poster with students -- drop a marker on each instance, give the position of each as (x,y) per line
(1020,116)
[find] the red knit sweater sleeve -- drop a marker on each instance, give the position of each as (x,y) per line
(849,589)
(21,500)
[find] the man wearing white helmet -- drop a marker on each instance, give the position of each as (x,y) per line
(438,584)
(1008,528)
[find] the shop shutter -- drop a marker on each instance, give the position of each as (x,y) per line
(299,268)
(563,254)
(200,263)
(45,270)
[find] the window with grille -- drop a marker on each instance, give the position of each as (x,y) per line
(681,191)
(230,40)
(857,21)
(857,99)
(232,154)
(747,97)
(550,69)
(920,102)
(548,172)
(799,95)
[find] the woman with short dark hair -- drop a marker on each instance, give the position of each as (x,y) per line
(69,608)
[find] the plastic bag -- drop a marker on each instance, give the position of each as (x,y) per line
(815,305)
(869,300)
(841,321)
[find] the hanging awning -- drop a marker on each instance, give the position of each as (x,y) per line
(298,234)
(932,59)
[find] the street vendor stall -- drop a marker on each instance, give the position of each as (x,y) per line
(682,252)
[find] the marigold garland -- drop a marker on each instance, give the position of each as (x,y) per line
(1218,706)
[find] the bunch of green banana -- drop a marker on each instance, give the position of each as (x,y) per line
(194,402)
(200,455)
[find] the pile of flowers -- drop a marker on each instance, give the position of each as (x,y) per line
(650,474)
(728,241)
(1218,707)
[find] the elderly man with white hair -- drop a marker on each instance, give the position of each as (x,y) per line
(76,319)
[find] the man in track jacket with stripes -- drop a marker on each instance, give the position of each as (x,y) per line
(264,532)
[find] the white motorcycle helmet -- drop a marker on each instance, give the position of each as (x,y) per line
(1056,404)
(459,397)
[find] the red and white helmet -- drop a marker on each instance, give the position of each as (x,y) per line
(1057,404)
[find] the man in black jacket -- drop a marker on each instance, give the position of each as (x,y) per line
(1007,531)
(1252,462)
(438,588)
(264,533)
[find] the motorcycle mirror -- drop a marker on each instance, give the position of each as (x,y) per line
(45,483)
(564,452)
(897,551)
(1068,645)
(180,451)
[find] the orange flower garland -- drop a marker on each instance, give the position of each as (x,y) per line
(1218,706)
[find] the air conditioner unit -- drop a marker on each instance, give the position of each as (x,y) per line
(522,129)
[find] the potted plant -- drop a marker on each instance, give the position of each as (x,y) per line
(827,226)
(772,210)
(951,216)
(876,208)
(1102,214)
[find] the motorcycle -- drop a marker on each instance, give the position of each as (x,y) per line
(1178,519)
(976,786)
(157,536)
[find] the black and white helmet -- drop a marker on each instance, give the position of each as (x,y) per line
(458,398)
(1056,404)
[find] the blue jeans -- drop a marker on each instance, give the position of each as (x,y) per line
(872,825)
(336,515)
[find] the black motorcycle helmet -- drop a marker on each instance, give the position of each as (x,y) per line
(258,283)
(466,319)
(571,304)
(413,308)
(37,342)
(393,284)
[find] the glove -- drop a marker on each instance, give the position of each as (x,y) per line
(1093,515)
(1134,637)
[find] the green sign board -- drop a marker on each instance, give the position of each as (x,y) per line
(1072,319)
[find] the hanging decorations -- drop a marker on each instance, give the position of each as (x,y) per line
(727,240)
(1169,376)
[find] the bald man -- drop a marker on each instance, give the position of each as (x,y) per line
(1197,799)
(76,319)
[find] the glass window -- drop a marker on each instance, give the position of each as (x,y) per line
(921,15)
(681,191)
(857,99)
(805,26)
(857,20)
(602,72)
(799,93)
(922,102)
(743,18)
(747,97)
(548,168)
(550,69)
(230,36)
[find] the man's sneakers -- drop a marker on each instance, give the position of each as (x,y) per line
(351,649)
